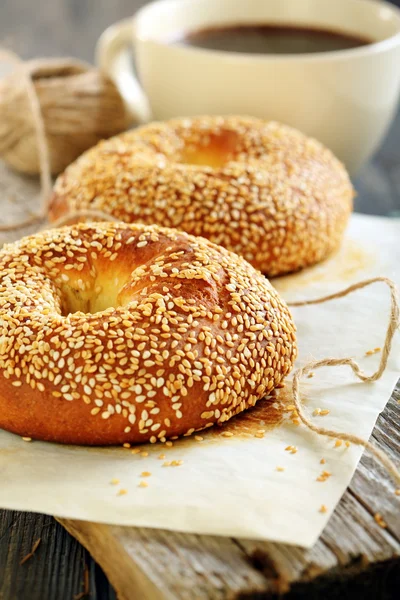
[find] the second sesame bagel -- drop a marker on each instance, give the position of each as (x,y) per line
(263,190)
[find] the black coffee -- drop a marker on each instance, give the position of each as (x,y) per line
(271,39)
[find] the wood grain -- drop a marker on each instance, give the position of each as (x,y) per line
(166,565)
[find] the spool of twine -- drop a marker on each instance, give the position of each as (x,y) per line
(79,106)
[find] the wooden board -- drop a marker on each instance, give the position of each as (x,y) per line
(354,551)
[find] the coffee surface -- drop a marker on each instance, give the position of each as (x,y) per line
(270,39)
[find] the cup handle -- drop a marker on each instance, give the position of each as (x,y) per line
(113,57)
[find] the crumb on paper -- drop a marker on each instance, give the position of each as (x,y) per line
(310,375)
(322,461)
(169,444)
(136,451)
(227,433)
(258,435)
(143,484)
(316,412)
(161,456)
(114,481)
(198,438)
(397,492)
(379,519)
(126,445)
(144,454)
(176,463)
(280,469)
(323,508)
(324,476)
(338,443)
(291,449)
(374,351)
(324,412)
(145,474)
(347,444)
(122,492)
(167,463)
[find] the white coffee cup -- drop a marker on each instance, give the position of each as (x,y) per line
(344,98)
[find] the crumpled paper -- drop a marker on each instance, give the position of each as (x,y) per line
(248,484)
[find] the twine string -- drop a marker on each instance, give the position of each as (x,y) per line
(394,323)
(42,145)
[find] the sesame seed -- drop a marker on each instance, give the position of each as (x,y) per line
(291,449)
(27,439)
(324,476)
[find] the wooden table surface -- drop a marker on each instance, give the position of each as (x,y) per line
(61,565)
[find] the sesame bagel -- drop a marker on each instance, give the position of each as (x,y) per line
(263,190)
(114,333)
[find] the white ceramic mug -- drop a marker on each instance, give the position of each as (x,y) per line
(345,98)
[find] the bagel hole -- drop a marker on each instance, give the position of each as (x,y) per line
(212,150)
(105,293)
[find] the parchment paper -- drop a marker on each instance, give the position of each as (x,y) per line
(230,485)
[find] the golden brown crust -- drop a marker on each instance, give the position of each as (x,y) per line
(258,188)
(113,333)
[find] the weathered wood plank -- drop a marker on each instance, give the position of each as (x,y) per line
(219,568)
(162,565)
(55,571)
